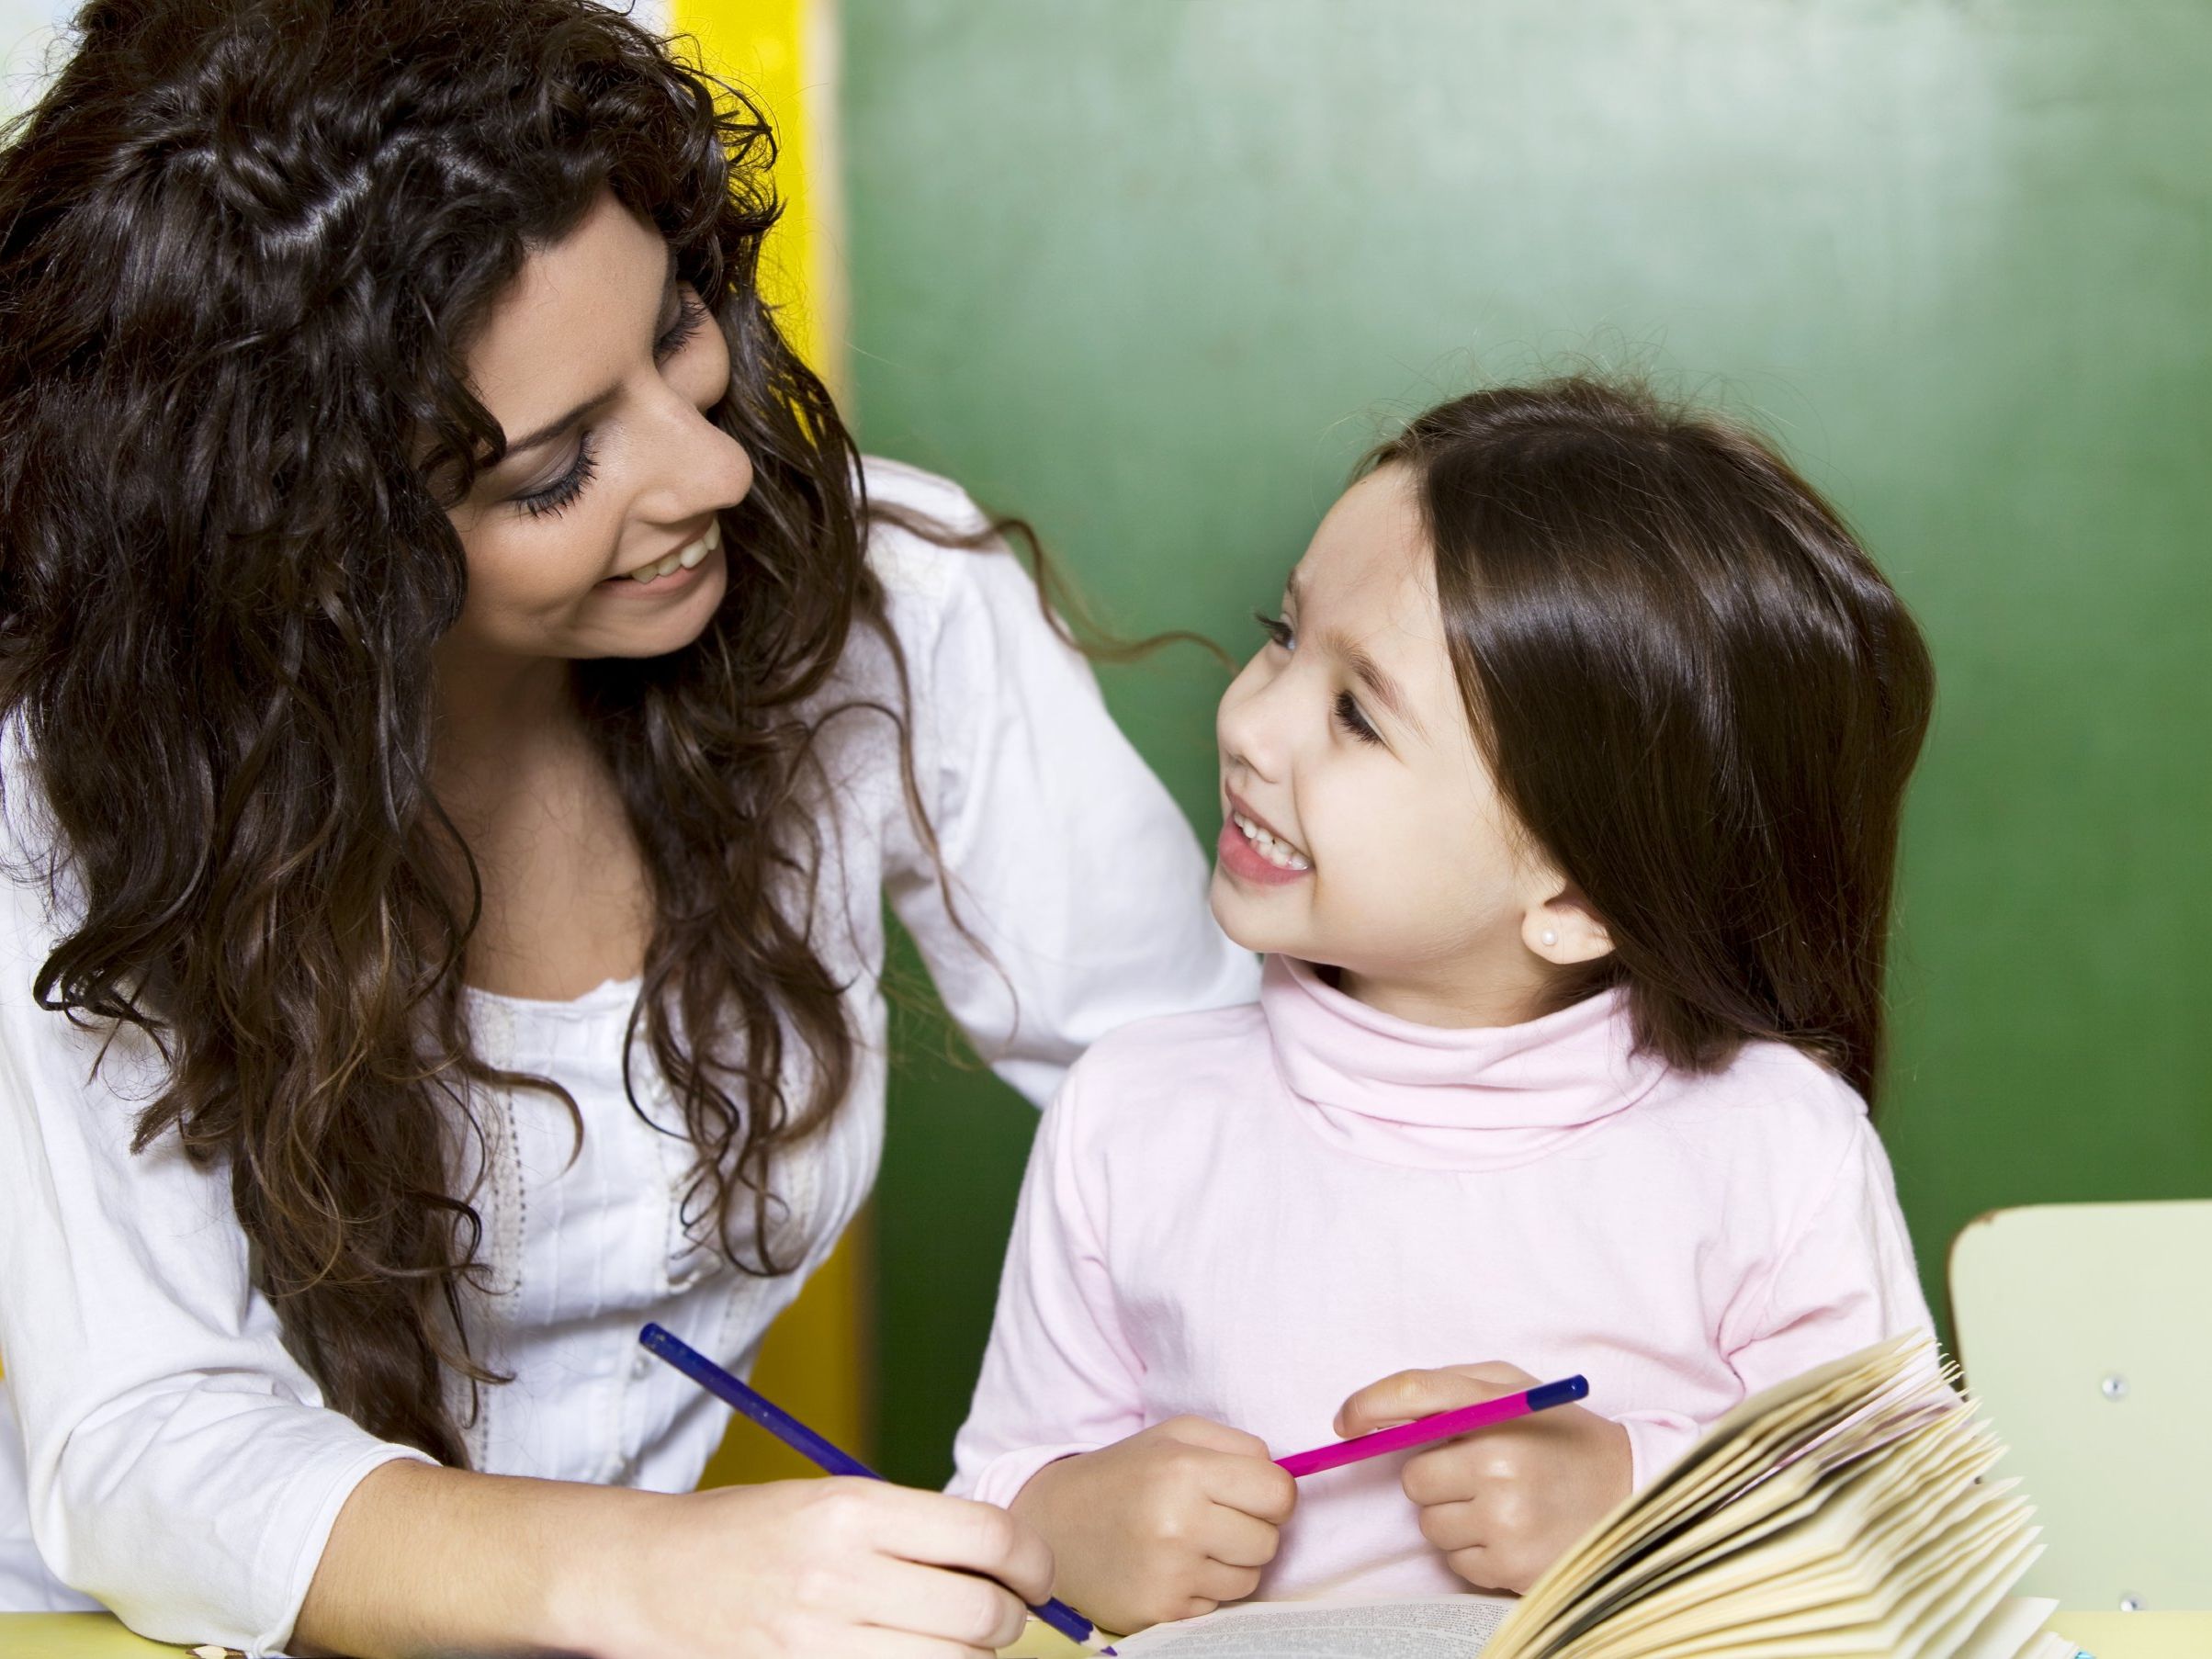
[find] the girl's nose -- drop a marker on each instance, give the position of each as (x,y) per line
(1249,725)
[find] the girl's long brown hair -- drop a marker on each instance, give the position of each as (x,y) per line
(243,244)
(1696,693)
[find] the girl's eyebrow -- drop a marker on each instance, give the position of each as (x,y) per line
(1364,668)
(1369,673)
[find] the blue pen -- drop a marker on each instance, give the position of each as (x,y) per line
(809,1445)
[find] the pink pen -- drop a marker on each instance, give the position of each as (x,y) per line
(1441,1426)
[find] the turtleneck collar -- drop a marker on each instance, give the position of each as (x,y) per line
(1473,1098)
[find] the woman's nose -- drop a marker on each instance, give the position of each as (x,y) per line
(698,467)
(724,470)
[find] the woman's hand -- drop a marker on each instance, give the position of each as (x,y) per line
(804,1569)
(430,1560)
(1166,1524)
(1502,1504)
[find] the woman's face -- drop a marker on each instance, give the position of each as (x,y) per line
(598,366)
(1383,847)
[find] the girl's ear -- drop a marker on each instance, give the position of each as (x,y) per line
(1563,929)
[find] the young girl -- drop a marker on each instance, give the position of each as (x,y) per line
(1564,797)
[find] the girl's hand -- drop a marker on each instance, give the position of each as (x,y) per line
(802,1569)
(1166,1524)
(1502,1504)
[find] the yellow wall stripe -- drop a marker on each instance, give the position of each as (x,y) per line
(784,54)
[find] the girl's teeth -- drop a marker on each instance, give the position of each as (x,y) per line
(1275,851)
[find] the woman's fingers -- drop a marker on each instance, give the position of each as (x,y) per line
(940,1531)
(903,1644)
(945,1605)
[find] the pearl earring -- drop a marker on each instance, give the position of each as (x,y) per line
(1551,936)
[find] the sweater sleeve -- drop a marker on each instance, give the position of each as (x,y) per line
(1064,859)
(1843,1281)
(176,1463)
(1060,1376)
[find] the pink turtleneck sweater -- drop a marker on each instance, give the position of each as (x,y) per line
(1247,1214)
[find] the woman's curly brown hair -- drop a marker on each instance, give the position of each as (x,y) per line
(243,245)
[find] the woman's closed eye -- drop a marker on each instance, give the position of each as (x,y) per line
(556,496)
(690,313)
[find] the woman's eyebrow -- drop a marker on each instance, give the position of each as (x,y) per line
(592,405)
(554,429)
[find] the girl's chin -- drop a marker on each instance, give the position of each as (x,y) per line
(1236,914)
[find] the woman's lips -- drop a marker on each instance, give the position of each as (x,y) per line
(682,577)
(668,572)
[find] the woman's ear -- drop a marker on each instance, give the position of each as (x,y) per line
(1564,930)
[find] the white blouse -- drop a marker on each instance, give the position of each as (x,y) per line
(171,1459)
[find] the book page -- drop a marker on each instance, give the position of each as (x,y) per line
(1752,1445)
(1438,1627)
(2010,1631)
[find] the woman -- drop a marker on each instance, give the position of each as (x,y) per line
(465,705)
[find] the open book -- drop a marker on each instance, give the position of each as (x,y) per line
(1845,1513)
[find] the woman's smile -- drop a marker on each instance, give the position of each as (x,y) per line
(674,571)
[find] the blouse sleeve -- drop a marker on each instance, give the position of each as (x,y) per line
(1059,1376)
(178,1464)
(1064,857)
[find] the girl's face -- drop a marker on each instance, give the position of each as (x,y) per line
(598,366)
(1361,828)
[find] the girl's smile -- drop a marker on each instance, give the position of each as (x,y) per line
(1252,854)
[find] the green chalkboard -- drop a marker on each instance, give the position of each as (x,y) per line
(1154,273)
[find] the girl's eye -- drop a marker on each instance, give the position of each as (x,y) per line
(690,314)
(1353,722)
(556,496)
(1278,632)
